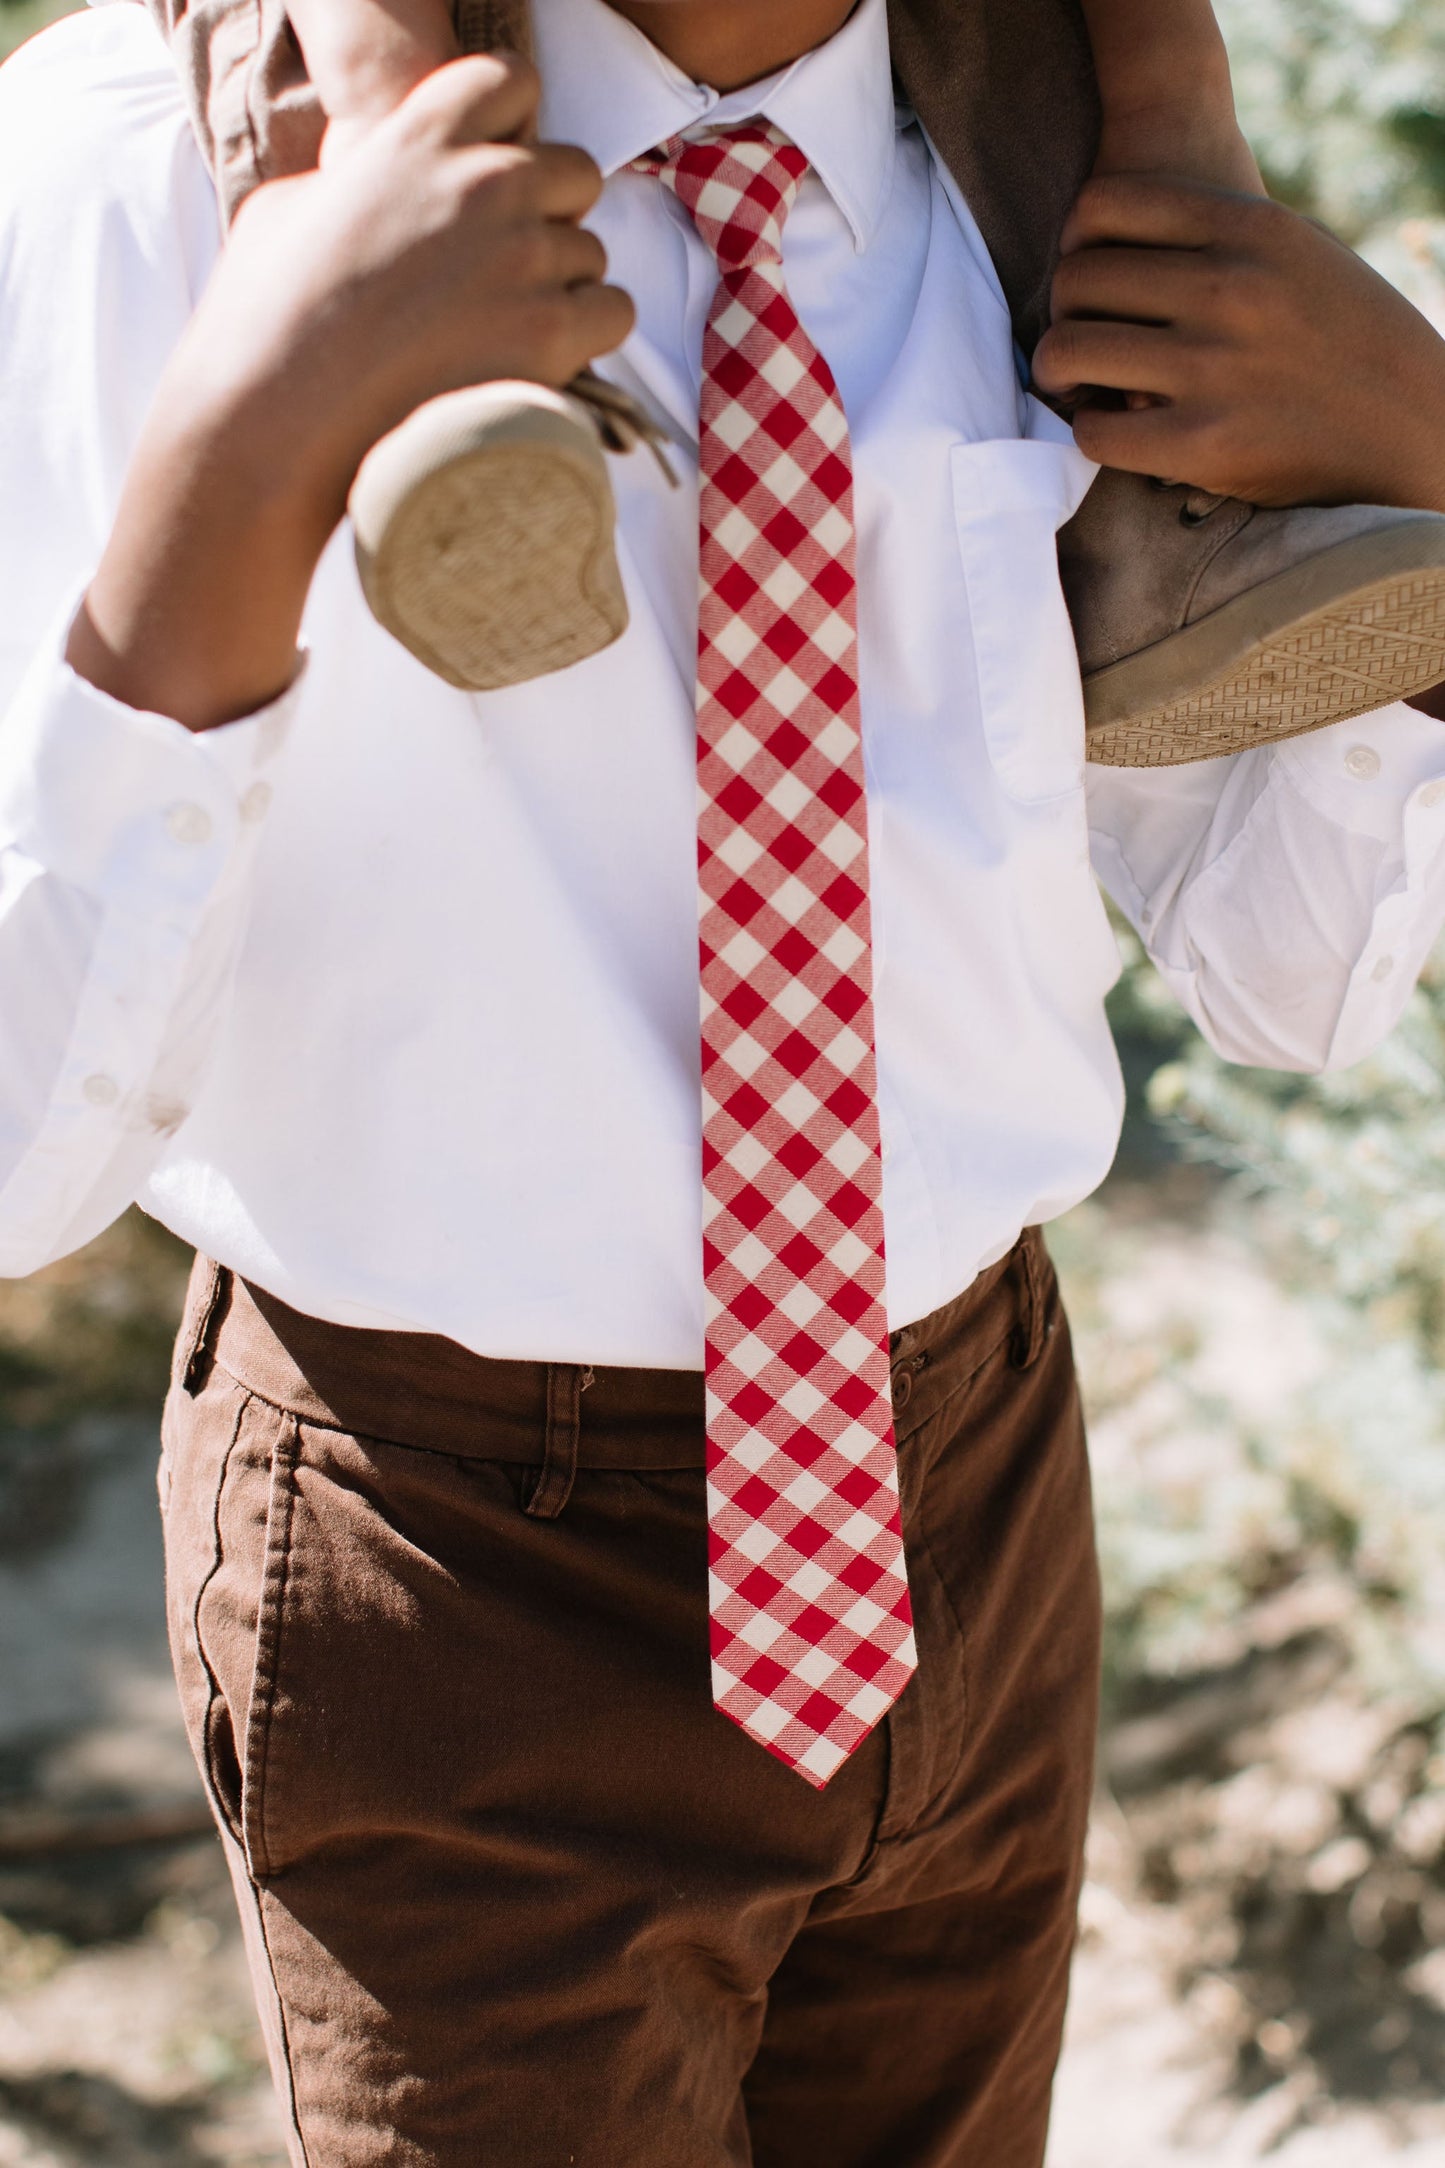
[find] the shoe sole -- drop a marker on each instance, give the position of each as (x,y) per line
(484,536)
(1353,628)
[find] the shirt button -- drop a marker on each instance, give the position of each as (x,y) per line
(257,802)
(1433,794)
(1363,762)
(101,1091)
(188,823)
(1382,970)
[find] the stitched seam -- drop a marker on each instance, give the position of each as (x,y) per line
(553,1488)
(438,1452)
(268,1644)
(185,1369)
(1034,1333)
(1227,535)
(362,1437)
(966,1686)
(215,1695)
(284,2030)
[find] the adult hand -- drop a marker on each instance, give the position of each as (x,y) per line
(1259,357)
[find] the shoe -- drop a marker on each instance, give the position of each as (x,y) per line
(1206,626)
(484,524)
(484,529)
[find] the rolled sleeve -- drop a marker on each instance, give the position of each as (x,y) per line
(1383,775)
(126,851)
(1289,895)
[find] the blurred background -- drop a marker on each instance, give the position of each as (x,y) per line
(1259,1299)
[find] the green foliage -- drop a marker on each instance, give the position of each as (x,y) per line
(1339,1181)
(1344,101)
(92,1333)
(20,19)
(1358,1156)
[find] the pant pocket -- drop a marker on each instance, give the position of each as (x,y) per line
(231,1462)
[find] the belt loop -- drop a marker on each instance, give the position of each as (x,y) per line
(1032,1326)
(566,1383)
(196,1349)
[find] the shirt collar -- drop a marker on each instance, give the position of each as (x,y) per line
(607,87)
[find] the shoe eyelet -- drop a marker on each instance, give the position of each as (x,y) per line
(1191,515)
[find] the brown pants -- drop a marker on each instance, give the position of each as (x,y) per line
(516,1896)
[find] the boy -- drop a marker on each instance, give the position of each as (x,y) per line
(487,1505)
(482,529)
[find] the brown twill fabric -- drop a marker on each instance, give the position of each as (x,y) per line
(515,1893)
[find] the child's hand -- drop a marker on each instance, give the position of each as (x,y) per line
(1258,356)
(446,250)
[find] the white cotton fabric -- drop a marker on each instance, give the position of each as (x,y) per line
(387,998)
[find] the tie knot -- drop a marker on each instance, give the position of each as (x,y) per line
(737,185)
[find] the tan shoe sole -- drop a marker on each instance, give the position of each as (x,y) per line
(1348,630)
(484,532)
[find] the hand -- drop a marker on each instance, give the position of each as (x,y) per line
(440,251)
(443,250)
(1260,358)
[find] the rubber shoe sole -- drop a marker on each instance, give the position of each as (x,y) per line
(484,536)
(1350,629)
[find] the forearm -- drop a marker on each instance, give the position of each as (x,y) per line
(196,605)
(1155,53)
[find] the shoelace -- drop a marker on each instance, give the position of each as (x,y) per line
(1197,505)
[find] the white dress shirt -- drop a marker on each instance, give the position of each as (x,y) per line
(387,997)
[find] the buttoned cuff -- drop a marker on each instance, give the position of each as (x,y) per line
(1370,774)
(155,828)
(1382,775)
(123,804)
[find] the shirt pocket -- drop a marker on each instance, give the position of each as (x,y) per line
(1010,498)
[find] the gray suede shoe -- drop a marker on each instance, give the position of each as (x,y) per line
(1204,625)
(484,524)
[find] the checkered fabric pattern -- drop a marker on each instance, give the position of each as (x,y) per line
(812,1637)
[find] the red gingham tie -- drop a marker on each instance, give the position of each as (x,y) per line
(812,1637)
